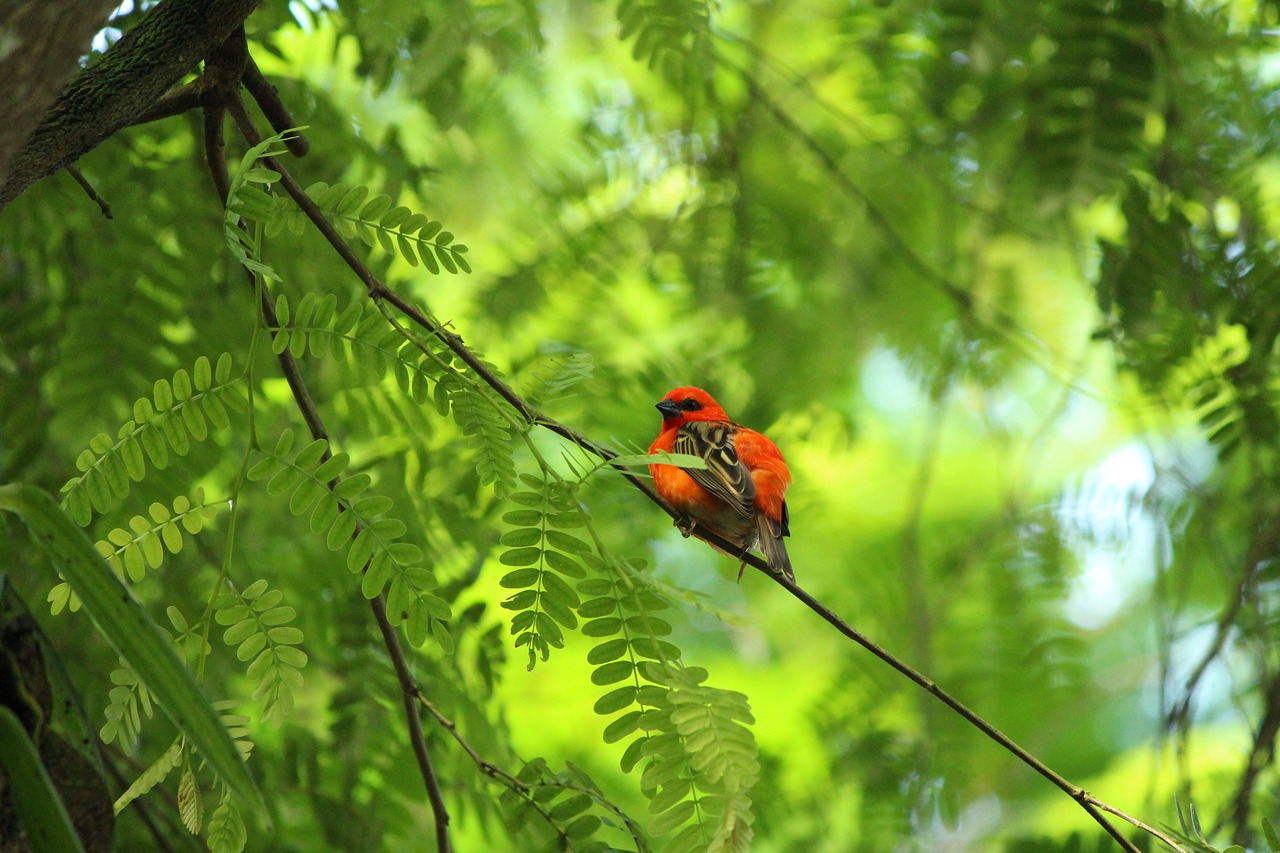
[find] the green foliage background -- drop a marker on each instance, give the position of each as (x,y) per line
(1002,280)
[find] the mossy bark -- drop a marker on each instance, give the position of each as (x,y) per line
(40,44)
(113,92)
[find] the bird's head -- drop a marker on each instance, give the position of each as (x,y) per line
(689,404)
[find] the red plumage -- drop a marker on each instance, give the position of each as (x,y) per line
(741,496)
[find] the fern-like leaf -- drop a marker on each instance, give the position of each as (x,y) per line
(152,776)
(564,810)
(227,832)
(237,726)
(544,557)
(316,326)
(672,36)
(377,549)
(258,625)
(713,726)
(699,757)
(190,803)
(250,199)
(130,701)
(355,334)
(397,230)
(131,550)
(482,421)
(553,380)
(177,413)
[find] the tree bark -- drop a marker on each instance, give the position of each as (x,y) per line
(112,93)
(40,42)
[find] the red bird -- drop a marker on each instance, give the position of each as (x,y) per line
(740,495)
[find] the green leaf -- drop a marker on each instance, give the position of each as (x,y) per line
(622,727)
(133,633)
(605,652)
(680,460)
(519,579)
(239,632)
(615,700)
(36,802)
(597,607)
(670,796)
(352,201)
(612,673)
(606,627)
(521,537)
(671,818)
(520,557)
(203,374)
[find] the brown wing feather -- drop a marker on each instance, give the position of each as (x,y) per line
(725,476)
(775,550)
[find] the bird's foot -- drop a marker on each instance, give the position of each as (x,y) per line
(685,525)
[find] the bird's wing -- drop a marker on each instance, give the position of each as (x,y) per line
(726,476)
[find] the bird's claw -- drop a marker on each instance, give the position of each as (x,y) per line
(742,566)
(685,526)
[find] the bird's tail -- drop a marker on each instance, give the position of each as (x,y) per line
(775,551)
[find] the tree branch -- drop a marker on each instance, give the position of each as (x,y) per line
(44,40)
(513,783)
(131,76)
(409,694)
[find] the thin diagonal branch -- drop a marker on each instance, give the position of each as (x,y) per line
(513,783)
(90,191)
(1263,545)
(409,694)
(380,292)
(273,108)
(1087,801)
(1261,754)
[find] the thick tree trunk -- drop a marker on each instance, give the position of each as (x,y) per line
(113,92)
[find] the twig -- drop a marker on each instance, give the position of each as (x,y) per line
(482,764)
(410,693)
(521,787)
(1260,755)
(274,109)
(1087,801)
(1260,551)
(490,769)
(90,191)
(213,151)
(379,291)
(1167,839)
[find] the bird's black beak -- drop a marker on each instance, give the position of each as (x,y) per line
(668,408)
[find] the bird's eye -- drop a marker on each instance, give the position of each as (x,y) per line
(690,405)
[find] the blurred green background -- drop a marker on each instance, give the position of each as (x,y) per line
(1001,280)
